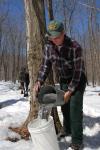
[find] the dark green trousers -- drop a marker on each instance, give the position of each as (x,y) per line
(73,115)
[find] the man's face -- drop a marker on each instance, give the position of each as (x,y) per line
(58,40)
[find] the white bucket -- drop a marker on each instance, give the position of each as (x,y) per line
(43,134)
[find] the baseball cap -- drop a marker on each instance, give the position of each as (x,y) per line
(55,28)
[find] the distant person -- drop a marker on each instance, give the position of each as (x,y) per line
(24,81)
(66,55)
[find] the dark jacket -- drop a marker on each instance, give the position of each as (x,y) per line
(24,76)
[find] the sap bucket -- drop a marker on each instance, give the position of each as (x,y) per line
(43,134)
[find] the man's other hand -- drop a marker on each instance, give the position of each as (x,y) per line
(37,86)
(67,96)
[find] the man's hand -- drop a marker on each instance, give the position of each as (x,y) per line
(36,87)
(67,96)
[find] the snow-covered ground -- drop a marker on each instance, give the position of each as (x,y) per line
(14,109)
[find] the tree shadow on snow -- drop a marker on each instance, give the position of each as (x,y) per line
(92,141)
(10,102)
(96,91)
(90,121)
(91,94)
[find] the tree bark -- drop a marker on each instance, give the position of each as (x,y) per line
(53,78)
(35,40)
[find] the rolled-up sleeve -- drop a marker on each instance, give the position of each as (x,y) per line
(45,66)
(77,68)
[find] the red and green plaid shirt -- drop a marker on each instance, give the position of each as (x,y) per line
(67,59)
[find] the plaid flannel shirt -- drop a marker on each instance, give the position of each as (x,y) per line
(67,59)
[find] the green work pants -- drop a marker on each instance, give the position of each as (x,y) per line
(73,115)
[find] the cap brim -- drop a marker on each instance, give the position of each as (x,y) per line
(54,34)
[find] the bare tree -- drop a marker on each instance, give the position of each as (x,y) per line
(53,77)
(35,40)
(50,9)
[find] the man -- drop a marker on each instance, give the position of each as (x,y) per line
(24,81)
(66,55)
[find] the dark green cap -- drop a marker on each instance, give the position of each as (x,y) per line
(55,28)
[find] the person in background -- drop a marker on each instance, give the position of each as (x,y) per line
(66,55)
(24,81)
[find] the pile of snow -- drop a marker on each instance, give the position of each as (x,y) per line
(14,109)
